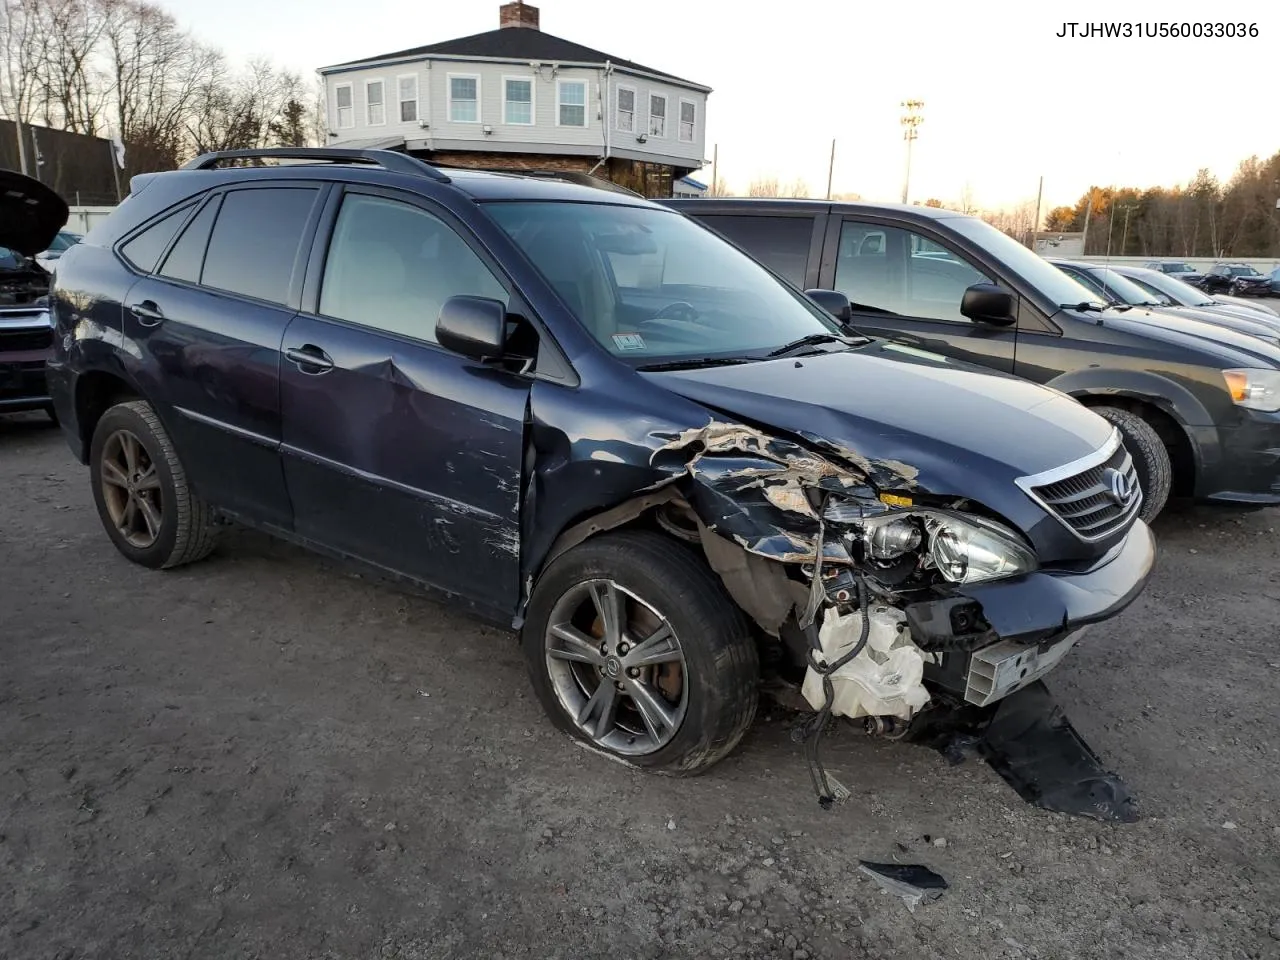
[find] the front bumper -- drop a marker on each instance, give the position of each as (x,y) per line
(1044,612)
(22,381)
(1248,463)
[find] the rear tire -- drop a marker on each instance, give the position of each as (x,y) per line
(663,584)
(1150,458)
(144,501)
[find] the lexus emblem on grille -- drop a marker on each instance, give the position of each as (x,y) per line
(1118,486)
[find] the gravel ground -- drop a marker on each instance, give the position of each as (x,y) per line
(267,756)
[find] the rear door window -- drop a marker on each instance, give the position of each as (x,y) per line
(255,241)
(780,243)
(187,256)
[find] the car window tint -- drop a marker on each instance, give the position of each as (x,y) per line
(780,243)
(144,250)
(392,266)
(255,241)
(896,271)
(187,256)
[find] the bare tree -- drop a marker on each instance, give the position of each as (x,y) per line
(68,78)
(22,44)
(763,187)
(720,188)
(967,205)
(797,188)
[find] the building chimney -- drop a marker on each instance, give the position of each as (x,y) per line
(518,14)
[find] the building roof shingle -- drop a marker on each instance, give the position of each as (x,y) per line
(516,43)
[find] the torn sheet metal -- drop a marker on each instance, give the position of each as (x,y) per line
(886,679)
(755,489)
(913,882)
(1028,740)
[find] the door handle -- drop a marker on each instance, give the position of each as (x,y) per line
(148,314)
(309,355)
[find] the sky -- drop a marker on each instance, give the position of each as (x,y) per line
(1006,100)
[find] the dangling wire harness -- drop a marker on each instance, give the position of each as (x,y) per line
(810,732)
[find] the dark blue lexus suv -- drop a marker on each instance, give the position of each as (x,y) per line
(589,417)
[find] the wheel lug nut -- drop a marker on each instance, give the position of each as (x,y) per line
(623,648)
(633,672)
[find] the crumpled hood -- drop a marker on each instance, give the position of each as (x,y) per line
(962,431)
(31,214)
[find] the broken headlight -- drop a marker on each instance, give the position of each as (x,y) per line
(962,548)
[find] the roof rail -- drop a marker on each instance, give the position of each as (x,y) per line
(568,176)
(389,160)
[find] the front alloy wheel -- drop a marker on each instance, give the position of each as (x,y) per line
(617,668)
(634,646)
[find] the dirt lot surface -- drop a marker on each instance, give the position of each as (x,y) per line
(266,756)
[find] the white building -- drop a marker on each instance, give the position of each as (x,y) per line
(519,98)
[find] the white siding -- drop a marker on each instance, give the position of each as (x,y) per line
(669,144)
(433,109)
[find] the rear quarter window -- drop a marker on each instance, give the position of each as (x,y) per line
(144,250)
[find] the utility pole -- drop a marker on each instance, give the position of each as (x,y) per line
(715,169)
(1035,225)
(1124,240)
(1088,215)
(911,121)
(831,168)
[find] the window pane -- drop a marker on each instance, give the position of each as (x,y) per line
(627,100)
(187,256)
(464,112)
(519,91)
(658,107)
(345,115)
(408,88)
(374,92)
(464,88)
(344,97)
(408,111)
(780,243)
(255,242)
(392,266)
(573,116)
(573,93)
(688,112)
(885,268)
(144,250)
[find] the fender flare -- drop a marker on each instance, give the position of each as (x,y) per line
(1165,394)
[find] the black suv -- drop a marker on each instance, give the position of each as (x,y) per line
(30,217)
(581,414)
(1198,405)
(1238,279)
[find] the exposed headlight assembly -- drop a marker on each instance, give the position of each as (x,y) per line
(1254,389)
(963,548)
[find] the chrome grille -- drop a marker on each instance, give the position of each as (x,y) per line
(1094,497)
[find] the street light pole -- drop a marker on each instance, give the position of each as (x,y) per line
(911,121)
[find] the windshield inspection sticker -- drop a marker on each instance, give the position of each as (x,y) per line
(628,342)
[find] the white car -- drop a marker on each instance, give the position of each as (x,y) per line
(61,243)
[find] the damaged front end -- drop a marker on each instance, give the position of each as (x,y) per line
(889,605)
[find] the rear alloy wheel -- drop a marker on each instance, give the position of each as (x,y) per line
(141,490)
(1150,458)
(633,646)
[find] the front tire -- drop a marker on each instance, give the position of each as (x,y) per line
(633,646)
(1150,458)
(144,501)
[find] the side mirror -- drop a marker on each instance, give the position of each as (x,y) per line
(475,327)
(988,303)
(832,301)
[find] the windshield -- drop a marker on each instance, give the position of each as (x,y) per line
(650,284)
(64,241)
(1042,275)
(1243,271)
(1121,288)
(1173,288)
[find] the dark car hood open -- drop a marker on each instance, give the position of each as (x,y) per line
(31,214)
(967,433)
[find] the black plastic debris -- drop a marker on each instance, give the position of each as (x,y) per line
(1028,740)
(913,882)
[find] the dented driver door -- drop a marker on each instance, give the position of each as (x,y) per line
(397,451)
